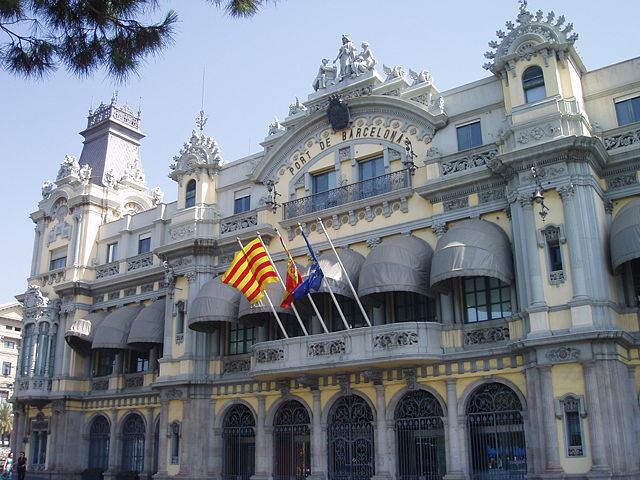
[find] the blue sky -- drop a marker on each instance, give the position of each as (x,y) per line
(254,70)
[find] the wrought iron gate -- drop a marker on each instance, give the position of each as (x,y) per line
(350,440)
(496,434)
(133,436)
(420,437)
(238,436)
(291,439)
(99,443)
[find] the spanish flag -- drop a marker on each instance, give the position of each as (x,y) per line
(293,278)
(251,271)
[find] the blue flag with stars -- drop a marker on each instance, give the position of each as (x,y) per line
(314,280)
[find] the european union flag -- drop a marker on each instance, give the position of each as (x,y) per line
(314,280)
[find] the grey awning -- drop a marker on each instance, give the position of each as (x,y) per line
(148,327)
(82,331)
(260,312)
(399,264)
(472,248)
(333,274)
(625,234)
(215,305)
(113,331)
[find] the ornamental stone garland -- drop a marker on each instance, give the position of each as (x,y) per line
(332,347)
(486,335)
(269,355)
(394,340)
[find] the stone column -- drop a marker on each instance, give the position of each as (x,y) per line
(632,385)
(455,444)
(536,452)
(595,418)
(37,247)
(114,458)
(552,448)
(576,254)
(262,443)
(446,309)
(75,243)
(163,428)
(382,442)
(214,453)
(60,352)
(148,441)
(317,463)
(529,273)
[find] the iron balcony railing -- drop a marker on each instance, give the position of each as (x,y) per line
(348,193)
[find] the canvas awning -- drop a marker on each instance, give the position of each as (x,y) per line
(215,305)
(472,248)
(625,234)
(398,264)
(333,274)
(113,331)
(82,331)
(148,327)
(260,312)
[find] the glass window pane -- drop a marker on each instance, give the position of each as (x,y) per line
(628,111)
(469,136)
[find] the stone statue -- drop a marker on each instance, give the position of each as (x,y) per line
(109,179)
(84,174)
(421,77)
(326,75)
(275,127)
(47,188)
(347,56)
(68,167)
(156,195)
(297,107)
(364,61)
(395,72)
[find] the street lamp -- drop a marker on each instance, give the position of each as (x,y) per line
(538,194)
(272,200)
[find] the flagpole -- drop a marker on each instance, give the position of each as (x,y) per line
(335,300)
(293,307)
(344,270)
(313,304)
(284,332)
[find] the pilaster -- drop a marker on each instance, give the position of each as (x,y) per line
(455,446)
(262,443)
(382,442)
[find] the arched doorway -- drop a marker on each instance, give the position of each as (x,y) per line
(99,443)
(420,437)
(133,433)
(291,436)
(238,436)
(496,433)
(350,440)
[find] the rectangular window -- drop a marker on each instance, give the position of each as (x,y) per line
(4,396)
(9,344)
(241,339)
(242,204)
(413,307)
(324,181)
(104,362)
(144,243)
(6,368)
(628,111)
(371,168)
(58,259)
(485,298)
(573,409)
(469,136)
(112,252)
(138,362)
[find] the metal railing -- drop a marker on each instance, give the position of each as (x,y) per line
(348,193)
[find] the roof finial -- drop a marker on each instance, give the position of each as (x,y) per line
(114,99)
(523,5)
(202,118)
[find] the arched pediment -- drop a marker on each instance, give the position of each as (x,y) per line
(201,152)
(382,119)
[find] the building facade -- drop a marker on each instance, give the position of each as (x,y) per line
(491,234)
(11,328)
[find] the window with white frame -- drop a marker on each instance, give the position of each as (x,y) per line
(469,136)
(570,409)
(551,238)
(241,201)
(533,84)
(6,368)
(190,194)
(9,344)
(112,252)
(58,259)
(144,243)
(628,111)
(179,309)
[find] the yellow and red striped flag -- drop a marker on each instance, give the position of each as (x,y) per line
(293,278)
(251,271)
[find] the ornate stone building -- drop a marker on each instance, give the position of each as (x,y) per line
(491,232)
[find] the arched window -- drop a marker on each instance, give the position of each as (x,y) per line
(533,84)
(175,432)
(350,440)
(496,433)
(38,442)
(239,442)
(28,350)
(133,433)
(99,443)
(420,437)
(42,350)
(190,195)
(292,443)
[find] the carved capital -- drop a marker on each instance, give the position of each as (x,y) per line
(308,381)
(411,378)
(525,202)
(373,375)
(440,229)
(345,384)
(566,192)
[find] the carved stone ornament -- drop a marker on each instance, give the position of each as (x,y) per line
(269,355)
(331,347)
(338,113)
(620,140)
(411,378)
(47,188)
(297,107)
(284,386)
(34,297)
(308,381)
(421,77)
(486,335)
(394,340)
(534,35)
(563,354)
(156,195)
(201,153)
(275,127)
(394,72)
(345,384)
(68,168)
(173,394)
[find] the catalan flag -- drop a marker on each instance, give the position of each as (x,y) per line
(251,271)
(293,278)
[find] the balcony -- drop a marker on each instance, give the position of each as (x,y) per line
(395,182)
(395,343)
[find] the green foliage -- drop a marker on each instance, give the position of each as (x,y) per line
(6,419)
(87,35)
